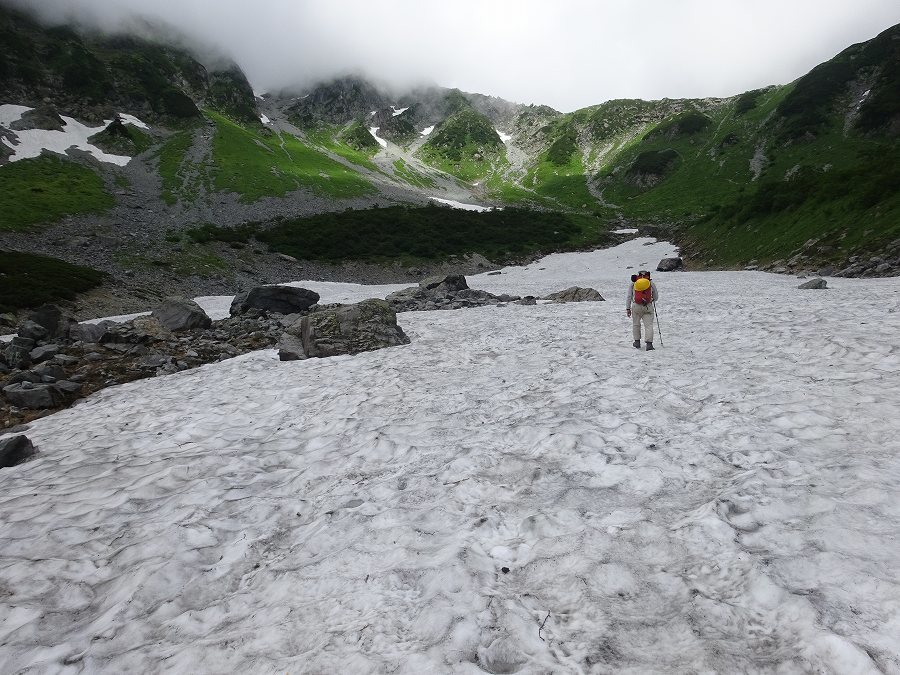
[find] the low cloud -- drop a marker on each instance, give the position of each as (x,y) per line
(565,53)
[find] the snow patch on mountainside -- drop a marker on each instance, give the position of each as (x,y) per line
(461,205)
(374,132)
(427,130)
(32,142)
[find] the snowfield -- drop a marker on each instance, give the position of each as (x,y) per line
(517,490)
(74,136)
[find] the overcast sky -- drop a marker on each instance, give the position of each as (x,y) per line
(564,53)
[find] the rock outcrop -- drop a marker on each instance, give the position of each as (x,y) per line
(449,292)
(178,314)
(346,329)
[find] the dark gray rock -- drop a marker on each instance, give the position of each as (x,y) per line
(90,332)
(69,388)
(444,285)
(814,284)
(7,320)
(826,272)
(35,396)
(57,322)
(17,353)
(527,300)
(670,265)
(290,347)
(15,449)
(50,369)
(181,314)
(33,331)
(349,329)
(23,376)
(280,299)
(45,353)
(575,294)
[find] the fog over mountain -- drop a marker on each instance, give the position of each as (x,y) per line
(566,53)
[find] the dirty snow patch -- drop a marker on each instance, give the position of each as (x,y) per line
(427,130)
(374,132)
(398,111)
(32,142)
(626,230)
(503,137)
(264,119)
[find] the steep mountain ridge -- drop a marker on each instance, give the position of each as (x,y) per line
(793,176)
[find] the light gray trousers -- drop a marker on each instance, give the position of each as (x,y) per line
(643,313)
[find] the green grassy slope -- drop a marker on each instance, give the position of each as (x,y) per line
(44,189)
(256,163)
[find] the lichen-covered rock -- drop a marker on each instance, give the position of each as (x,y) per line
(576,294)
(348,329)
(14,449)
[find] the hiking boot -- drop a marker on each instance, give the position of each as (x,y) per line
(649,346)
(636,344)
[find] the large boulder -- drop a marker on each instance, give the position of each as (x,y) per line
(15,449)
(348,329)
(280,299)
(90,332)
(576,294)
(814,284)
(181,314)
(57,322)
(444,285)
(670,265)
(33,331)
(36,396)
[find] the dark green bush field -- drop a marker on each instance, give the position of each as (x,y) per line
(431,232)
(28,280)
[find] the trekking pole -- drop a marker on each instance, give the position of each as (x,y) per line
(658,329)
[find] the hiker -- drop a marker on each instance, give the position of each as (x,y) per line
(642,294)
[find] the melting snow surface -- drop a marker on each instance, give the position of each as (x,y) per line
(398,111)
(503,137)
(461,205)
(264,119)
(517,490)
(427,130)
(374,132)
(626,230)
(74,135)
